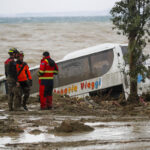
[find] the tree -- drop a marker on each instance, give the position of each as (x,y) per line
(132,19)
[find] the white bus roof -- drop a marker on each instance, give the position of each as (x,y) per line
(90,50)
(86,51)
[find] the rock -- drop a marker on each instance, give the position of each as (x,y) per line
(91,101)
(83,104)
(73,126)
(90,106)
(36,132)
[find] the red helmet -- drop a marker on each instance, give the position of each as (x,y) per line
(21,53)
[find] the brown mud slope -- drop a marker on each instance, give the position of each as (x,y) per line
(101,107)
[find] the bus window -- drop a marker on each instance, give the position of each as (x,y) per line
(101,62)
(72,71)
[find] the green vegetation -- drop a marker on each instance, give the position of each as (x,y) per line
(132,19)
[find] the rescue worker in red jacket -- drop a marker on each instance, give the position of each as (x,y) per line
(48,68)
(25,80)
(11,76)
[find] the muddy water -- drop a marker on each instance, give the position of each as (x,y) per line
(123,127)
(106,135)
(57,38)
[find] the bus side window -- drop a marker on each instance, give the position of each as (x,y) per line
(73,71)
(101,62)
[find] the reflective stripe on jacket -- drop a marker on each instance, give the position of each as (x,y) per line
(47,68)
(25,73)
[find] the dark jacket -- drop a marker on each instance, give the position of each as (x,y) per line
(12,71)
(7,64)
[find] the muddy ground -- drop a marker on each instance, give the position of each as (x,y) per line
(76,123)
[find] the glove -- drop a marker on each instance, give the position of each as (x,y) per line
(30,82)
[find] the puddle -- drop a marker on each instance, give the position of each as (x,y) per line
(106,135)
(4,117)
(30,138)
(113,146)
(34,118)
(4,141)
(109,135)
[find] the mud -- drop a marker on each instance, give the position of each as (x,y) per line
(68,126)
(9,126)
(36,132)
(76,123)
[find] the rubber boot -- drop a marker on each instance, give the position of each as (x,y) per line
(10,102)
(49,102)
(24,104)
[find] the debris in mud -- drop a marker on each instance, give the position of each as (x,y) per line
(36,123)
(3,98)
(73,126)
(64,105)
(9,126)
(146,96)
(67,104)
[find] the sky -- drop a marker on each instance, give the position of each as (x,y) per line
(41,6)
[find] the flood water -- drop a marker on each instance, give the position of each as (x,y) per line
(60,39)
(57,38)
(106,135)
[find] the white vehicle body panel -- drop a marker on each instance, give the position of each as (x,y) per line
(113,77)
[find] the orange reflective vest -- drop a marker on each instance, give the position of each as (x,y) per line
(47,68)
(25,73)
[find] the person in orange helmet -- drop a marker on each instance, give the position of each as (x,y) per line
(25,80)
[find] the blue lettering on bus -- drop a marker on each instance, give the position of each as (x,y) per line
(139,78)
(96,84)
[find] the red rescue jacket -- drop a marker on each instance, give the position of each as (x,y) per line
(48,68)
